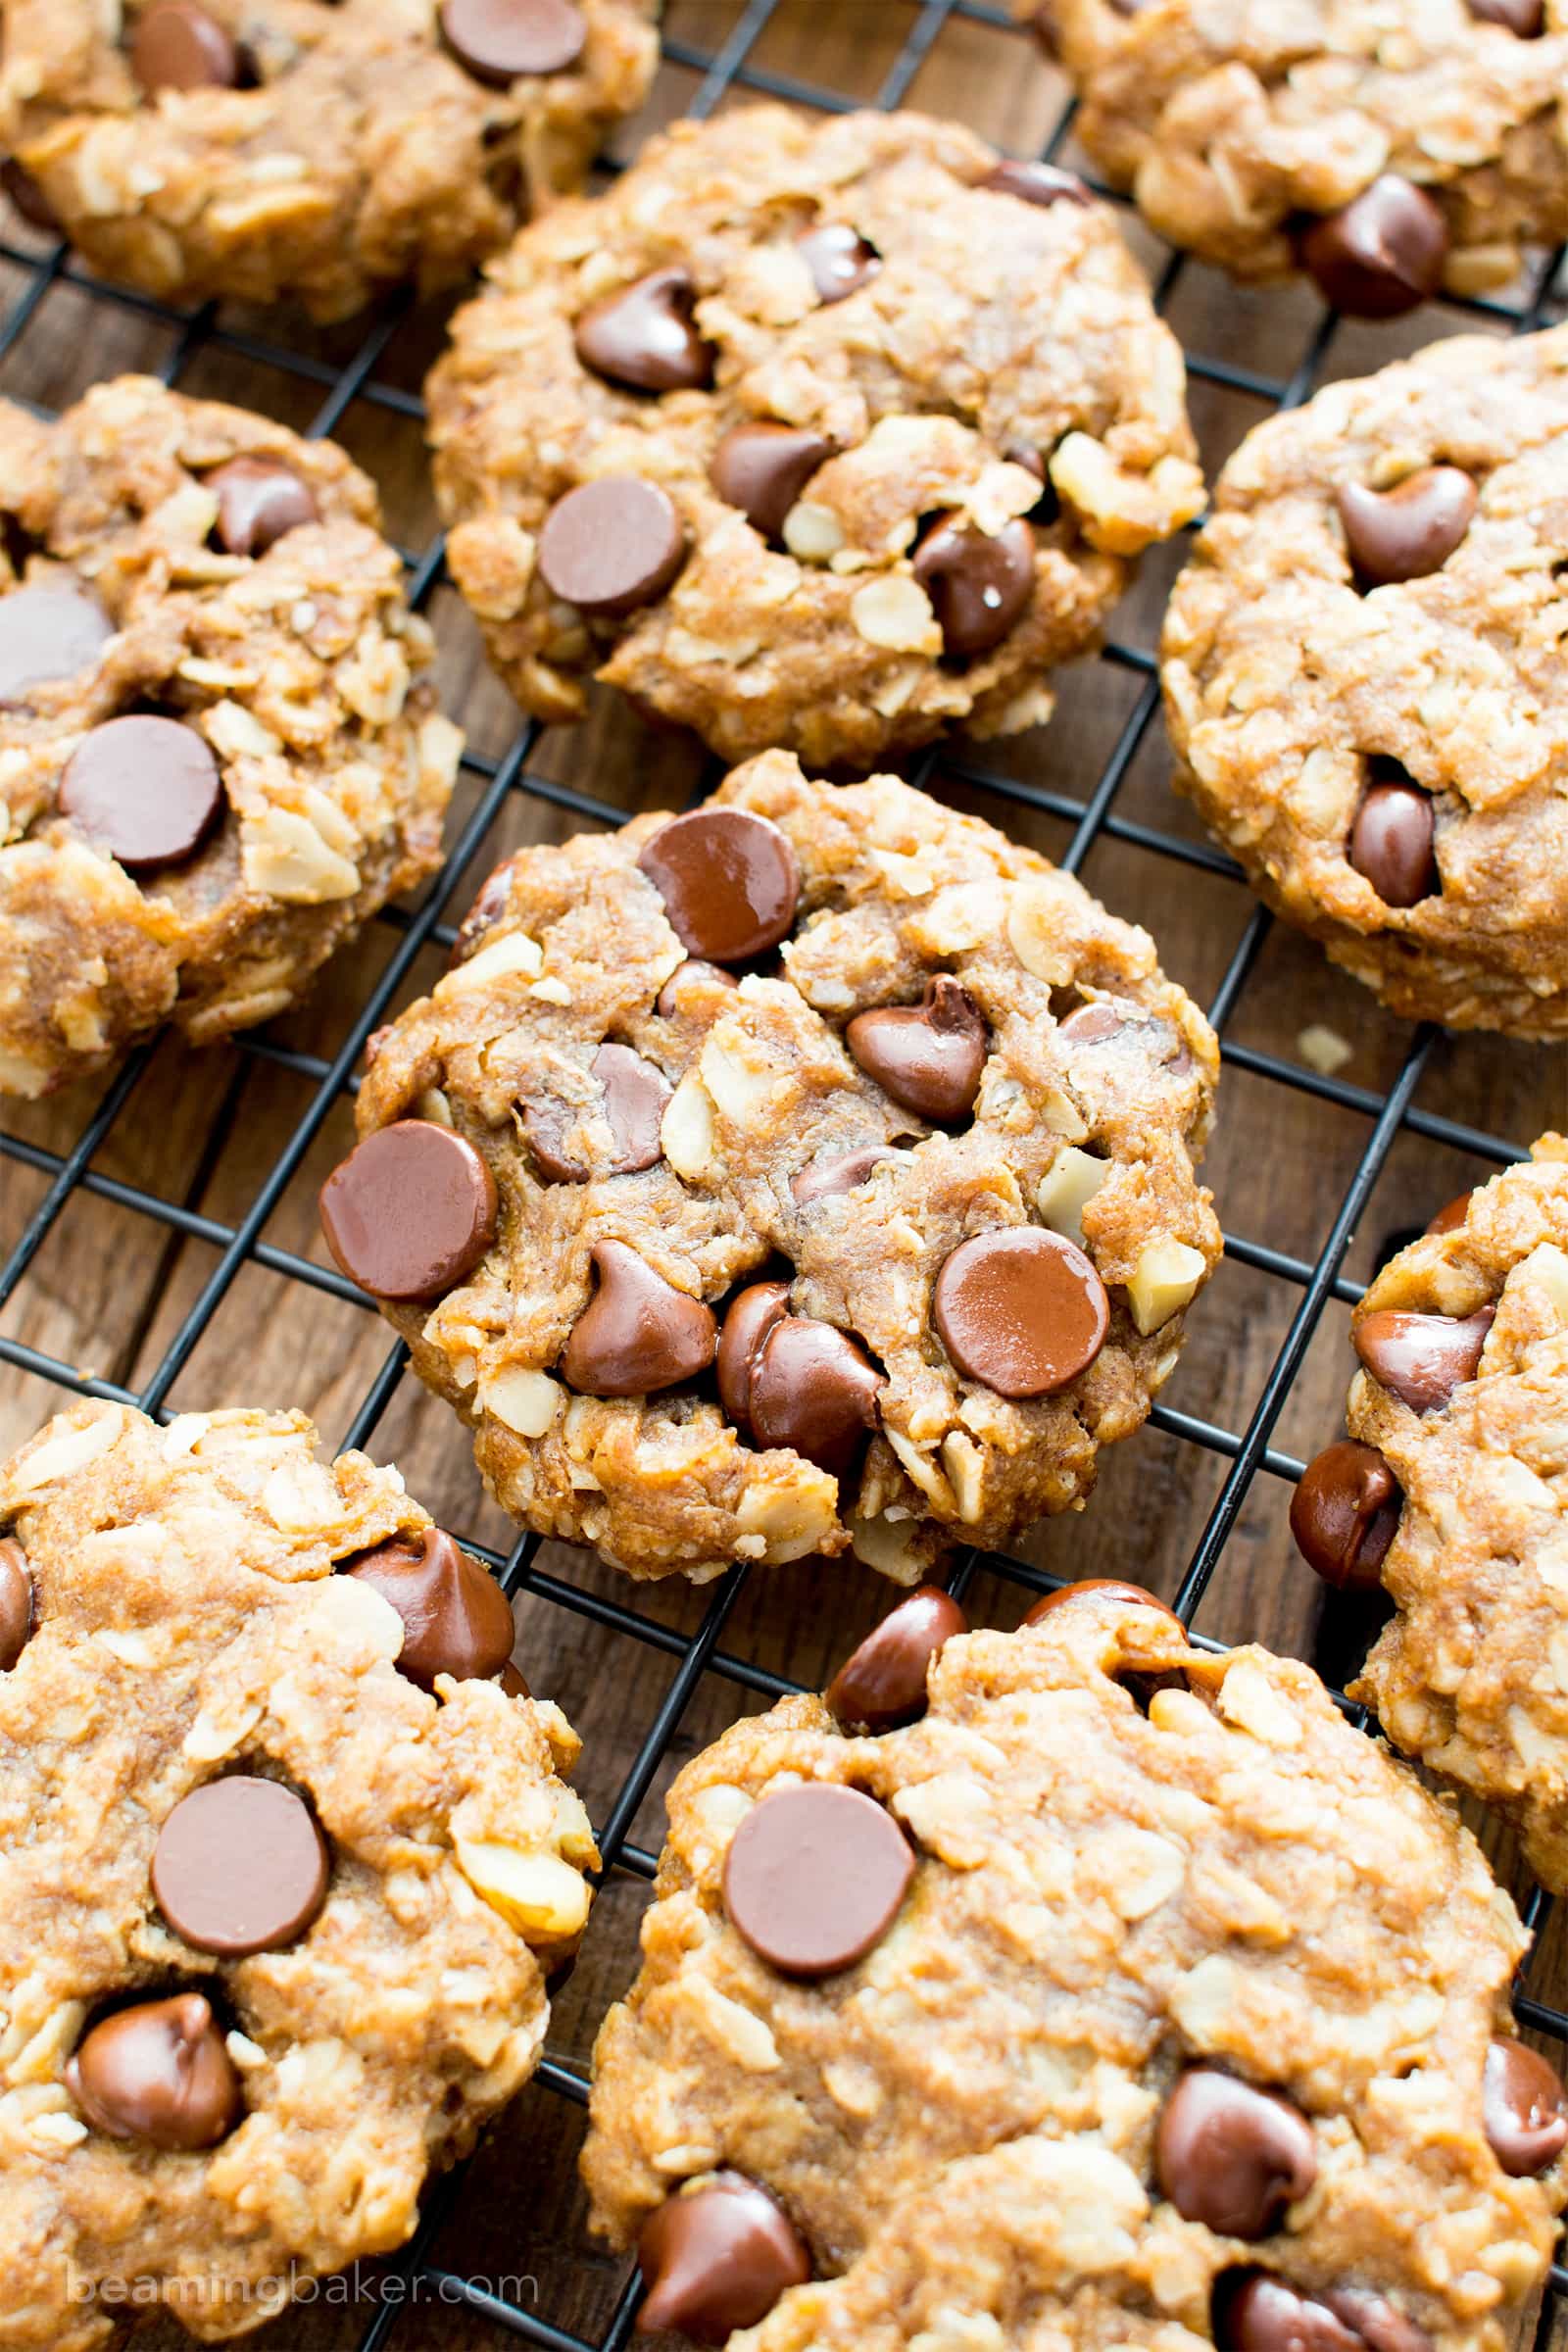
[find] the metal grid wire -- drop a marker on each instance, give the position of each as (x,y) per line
(730,67)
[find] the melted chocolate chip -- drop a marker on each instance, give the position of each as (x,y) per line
(827,1175)
(645,335)
(750,1318)
(1021,1310)
(157,2072)
(762,469)
(814,1390)
(883,1683)
(456,1618)
(638,1334)
(717,2258)
(410,1212)
(1525,18)
(1230,2155)
(1345,1514)
(1452,1215)
(48,633)
(1406,532)
(612,544)
(145,790)
(1037,183)
(1109,1587)
(1524,2109)
(16,1603)
(260,501)
(728,879)
(929,1056)
(175,45)
(497,40)
(1383,252)
(815,1878)
(241,1867)
(841,261)
(634,1093)
(980,584)
(1422,1358)
(695,973)
(1391,844)
(487,909)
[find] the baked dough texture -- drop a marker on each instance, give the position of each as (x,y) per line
(1001,341)
(187,1623)
(572,946)
(1232,125)
(961,2127)
(360,154)
(302,668)
(1471,1675)
(1292,687)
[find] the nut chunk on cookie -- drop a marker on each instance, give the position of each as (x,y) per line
(813,435)
(1453,1492)
(1106,1992)
(1364,684)
(219,756)
(313,150)
(286,1854)
(813,1169)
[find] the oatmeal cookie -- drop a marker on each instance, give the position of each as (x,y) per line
(1364,685)
(820,436)
(1127,1996)
(1453,1489)
(286,1855)
(217,757)
(917,1193)
(257,150)
(1394,149)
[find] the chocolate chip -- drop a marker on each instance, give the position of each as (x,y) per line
(1037,183)
(145,790)
(1020,1310)
(47,633)
(814,1389)
(750,1319)
(1109,1587)
(882,1684)
(1524,2109)
(241,1867)
(28,198)
(157,2072)
(1345,1514)
(1526,18)
(260,501)
(1422,1358)
(487,909)
(827,1175)
(512,1683)
(456,1618)
(499,39)
(1255,2313)
(814,1877)
(929,1056)
(177,46)
(1092,1025)
(634,1092)
(728,879)
(646,337)
(717,2258)
(1390,844)
(16,1603)
(1230,2155)
(612,544)
(841,261)
(1455,1214)
(1383,252)
(1376,2320)
(410,1212)
(638,1334)
(980,584)
(1406,532)
(695,973)
(762,469)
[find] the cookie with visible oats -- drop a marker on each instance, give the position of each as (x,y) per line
(317,151)
(814,1169)
(286,1854)
(218,753)
(814,435)
(1128,1995)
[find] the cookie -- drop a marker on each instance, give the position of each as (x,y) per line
(261,150)
(1450,1492)
(1364,686)
(285,1854)
(217,752)
(1392,149)
(1128,1995)
(819,435)
(812,1170)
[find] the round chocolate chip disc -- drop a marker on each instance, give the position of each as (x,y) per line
(717,2258)
(48,633)
(157,2072)
(499,39)
(410,1212)
(456,1618)
(1230,2155)
(241,1867)
(1021,1310)
(645,336)
(1409,531)
(638,1334)
(260,501)
(728,879)
(16,1603)
(841,261)
(612,544)
(175,45)
(1383,252)
(814,1877)
(980,583)
(1390,844)
(1422,1358)
(930,1056)
(1524,2109)
(1345,1513)
(145,790)
(882,1684)
(762,469)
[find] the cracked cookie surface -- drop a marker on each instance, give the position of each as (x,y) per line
(257,150)
(981,2134)
(1363,684)
(172,1635)
(1393,150)
(859,423)
(596,1174)
(217,752)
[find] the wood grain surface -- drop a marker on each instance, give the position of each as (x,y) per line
(111,1284)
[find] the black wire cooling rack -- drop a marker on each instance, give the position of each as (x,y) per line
(733,67)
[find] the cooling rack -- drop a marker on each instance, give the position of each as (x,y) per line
(717,52)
